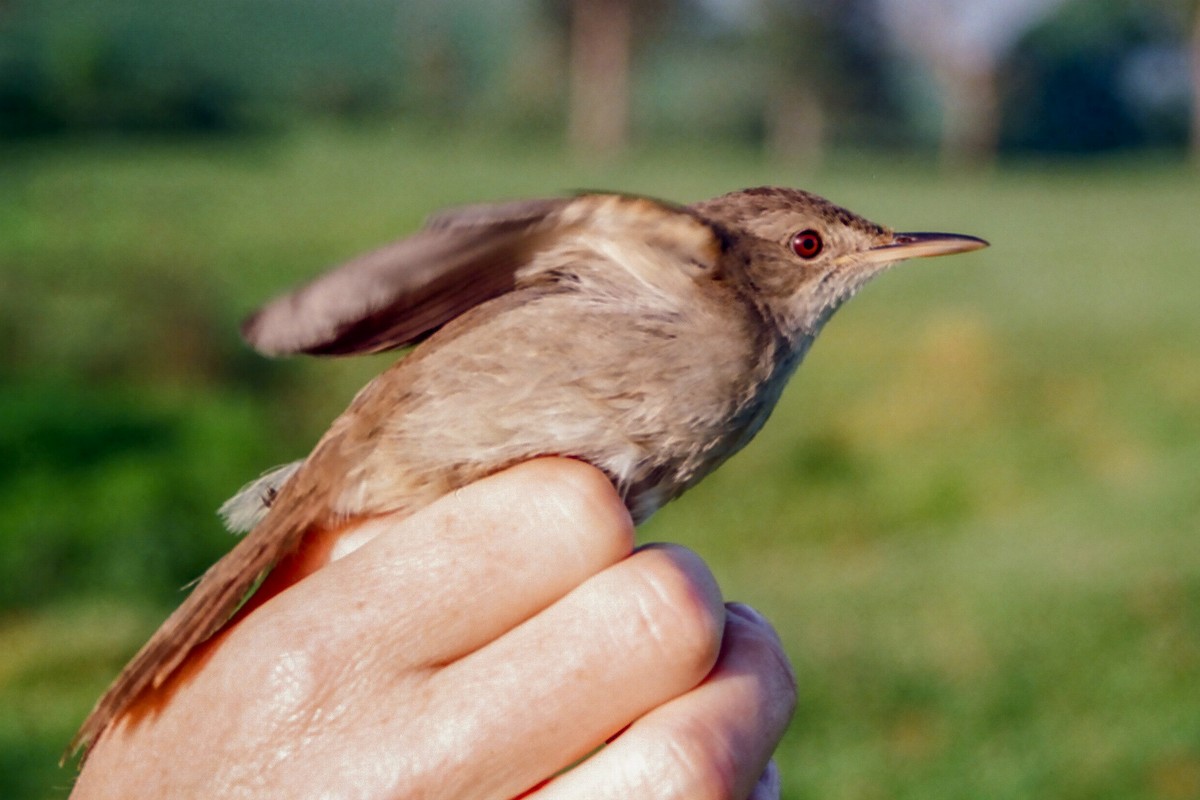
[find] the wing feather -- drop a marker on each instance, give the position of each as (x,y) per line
(402,292)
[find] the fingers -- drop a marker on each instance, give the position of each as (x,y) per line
(462,571)
(498,720)
(713,742)
(633,637)
(471,651)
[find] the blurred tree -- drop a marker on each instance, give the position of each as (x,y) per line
(1195,58)
(601,38)
(1101,75)
(1189,14)
(826,76)
(1185,15)
(1097,74)
(963,43)
(796,117)
(601,42)
(454,56)
(221,66)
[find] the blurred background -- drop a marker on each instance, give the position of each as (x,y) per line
(974,515)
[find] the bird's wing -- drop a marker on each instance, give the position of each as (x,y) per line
(403,291)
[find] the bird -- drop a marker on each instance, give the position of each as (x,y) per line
(647,338)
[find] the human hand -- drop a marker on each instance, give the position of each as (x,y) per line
(473,650)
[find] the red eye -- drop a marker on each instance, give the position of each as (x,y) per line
(807,244)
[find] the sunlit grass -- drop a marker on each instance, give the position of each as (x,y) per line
(973,517)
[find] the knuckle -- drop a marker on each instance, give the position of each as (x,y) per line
(587,502)
(708,773)
(291,678)
(679,608)
(280,685)
(688,767)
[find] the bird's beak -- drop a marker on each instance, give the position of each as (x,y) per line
(920,245)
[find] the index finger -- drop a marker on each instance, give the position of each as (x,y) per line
(463,571)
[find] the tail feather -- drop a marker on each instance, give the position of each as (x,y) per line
(218,594)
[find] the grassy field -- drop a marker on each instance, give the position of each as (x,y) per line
(973,518)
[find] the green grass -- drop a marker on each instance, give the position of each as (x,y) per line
(973,517)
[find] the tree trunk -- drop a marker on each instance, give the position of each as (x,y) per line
(795,124)
(970,116)
(598,107)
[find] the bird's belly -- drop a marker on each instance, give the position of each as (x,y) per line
(624,394)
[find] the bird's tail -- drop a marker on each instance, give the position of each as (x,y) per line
(218,594)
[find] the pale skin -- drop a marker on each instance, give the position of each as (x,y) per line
(474,650)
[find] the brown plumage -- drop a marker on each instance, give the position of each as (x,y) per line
(649,339)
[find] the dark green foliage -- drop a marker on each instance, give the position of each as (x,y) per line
(1071,86)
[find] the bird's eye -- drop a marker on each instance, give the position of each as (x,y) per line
(807,244)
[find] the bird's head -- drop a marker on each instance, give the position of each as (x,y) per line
(805,256)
